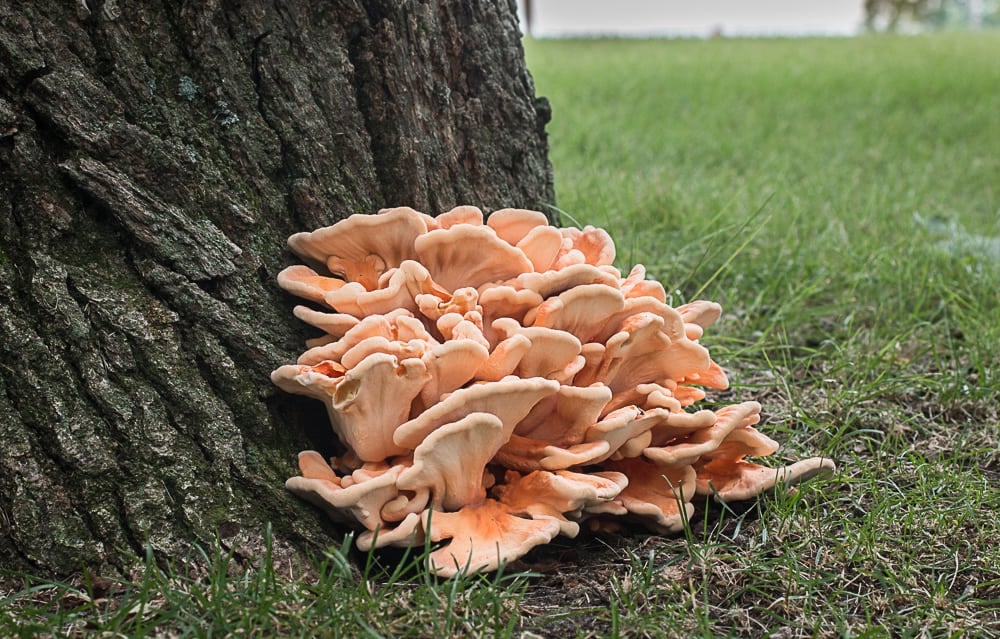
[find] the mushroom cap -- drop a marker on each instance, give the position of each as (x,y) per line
(313,466)
(407,533)
(461,301)
(582,310)
(732,480)
(565,417)
(504,359)
(552,283)
(698,316)
(552,354)
(659,497)
(308,284)
(636,285)
(450,366)
(466,255)
(415,348)
(620,427)
(704,440)
(526,455)
(528,231)
(642,352)
(673,324)
(398,291)
(659,397)
(687,395)
(588,245)
(700,312)
(336,325)
(449,462)
(384,326)
(483,537)
(678,425)
(371,402)
(543,494)
(646,396)
(366,403)
(712,377)
(509,399)
(453,326)
(541,246)
(512,225)
(745,441)
(388,235)
(361,500)
(499,301)
(459,215)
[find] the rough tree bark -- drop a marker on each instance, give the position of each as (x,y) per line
(154,156)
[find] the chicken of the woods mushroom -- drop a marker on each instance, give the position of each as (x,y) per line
(497,383)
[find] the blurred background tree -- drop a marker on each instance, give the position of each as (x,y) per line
(895,15)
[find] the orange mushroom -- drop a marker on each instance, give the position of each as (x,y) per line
(512,225)
(483,537)
(362,247)
(660,496)
(466,255)
(358,501)
(498,383)
(731,480)
(546,495)
(367,404)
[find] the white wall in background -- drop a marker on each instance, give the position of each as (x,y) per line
(694,18)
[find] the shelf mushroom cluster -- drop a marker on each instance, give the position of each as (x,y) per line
(497,383)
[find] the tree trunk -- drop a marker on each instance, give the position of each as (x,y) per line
(154,156)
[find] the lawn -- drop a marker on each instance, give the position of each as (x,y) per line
(841,199)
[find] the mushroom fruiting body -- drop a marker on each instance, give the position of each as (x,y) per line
(495,384)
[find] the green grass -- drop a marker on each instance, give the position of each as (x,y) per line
(225,594)
(841,199)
